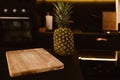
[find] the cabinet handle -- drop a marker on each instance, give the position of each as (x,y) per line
(14,18)
(101,39)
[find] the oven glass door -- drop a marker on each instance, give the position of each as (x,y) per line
(15,30)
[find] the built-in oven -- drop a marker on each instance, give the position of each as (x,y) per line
(17,20)
(15,29)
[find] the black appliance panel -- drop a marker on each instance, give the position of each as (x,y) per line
(17,20)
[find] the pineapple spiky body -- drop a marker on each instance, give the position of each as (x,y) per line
(63,41)
(63,37)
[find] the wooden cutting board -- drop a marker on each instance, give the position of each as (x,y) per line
(29,61)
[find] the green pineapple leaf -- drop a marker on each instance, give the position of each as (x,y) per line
(62,13)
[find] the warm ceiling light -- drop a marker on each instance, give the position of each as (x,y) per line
(84,0)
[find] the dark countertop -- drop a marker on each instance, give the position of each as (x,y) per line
(74,69)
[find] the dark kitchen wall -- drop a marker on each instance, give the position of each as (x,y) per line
(87,16)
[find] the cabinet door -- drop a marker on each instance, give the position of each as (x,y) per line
(109,20)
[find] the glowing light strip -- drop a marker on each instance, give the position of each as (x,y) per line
(97,59)
(100,59)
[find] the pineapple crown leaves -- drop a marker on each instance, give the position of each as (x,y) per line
(62,13)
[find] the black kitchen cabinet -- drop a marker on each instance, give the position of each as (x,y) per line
(86,40)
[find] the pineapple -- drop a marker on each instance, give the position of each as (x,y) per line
(63,39)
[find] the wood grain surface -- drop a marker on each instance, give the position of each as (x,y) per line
(29,61)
